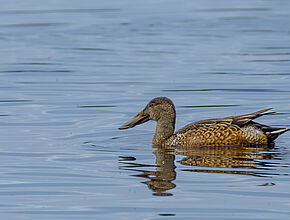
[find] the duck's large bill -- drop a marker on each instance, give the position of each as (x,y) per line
(140,118)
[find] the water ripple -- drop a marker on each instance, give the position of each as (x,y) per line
(61,11)
(227,90)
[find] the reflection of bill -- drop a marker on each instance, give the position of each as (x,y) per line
(255,161)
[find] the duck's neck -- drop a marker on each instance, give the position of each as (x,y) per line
(164,130)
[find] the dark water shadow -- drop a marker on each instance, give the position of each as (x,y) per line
(258,161)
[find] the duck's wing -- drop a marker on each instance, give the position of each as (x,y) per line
(239,120)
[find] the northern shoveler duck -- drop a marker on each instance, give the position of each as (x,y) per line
(233,130)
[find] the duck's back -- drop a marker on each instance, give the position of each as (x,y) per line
(233,130)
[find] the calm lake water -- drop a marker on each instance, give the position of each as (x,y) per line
(73,71)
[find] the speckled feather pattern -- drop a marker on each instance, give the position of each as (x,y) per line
(222,133)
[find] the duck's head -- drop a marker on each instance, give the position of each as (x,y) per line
(158,109)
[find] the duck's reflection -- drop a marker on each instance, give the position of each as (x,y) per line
(229,159)
(232,160)
(159,180)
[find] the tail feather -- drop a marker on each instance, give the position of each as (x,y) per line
(280,131)
(273,133)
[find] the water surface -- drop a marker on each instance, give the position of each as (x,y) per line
(71,72)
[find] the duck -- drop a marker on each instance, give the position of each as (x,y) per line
(238,130)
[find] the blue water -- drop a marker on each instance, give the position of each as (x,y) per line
(71,72)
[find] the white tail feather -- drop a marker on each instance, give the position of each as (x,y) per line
(280,131)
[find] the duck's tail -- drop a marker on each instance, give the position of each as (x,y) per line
(272,133)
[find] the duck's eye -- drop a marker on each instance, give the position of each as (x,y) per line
(152,104)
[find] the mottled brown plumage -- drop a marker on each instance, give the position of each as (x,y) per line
(233,130)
